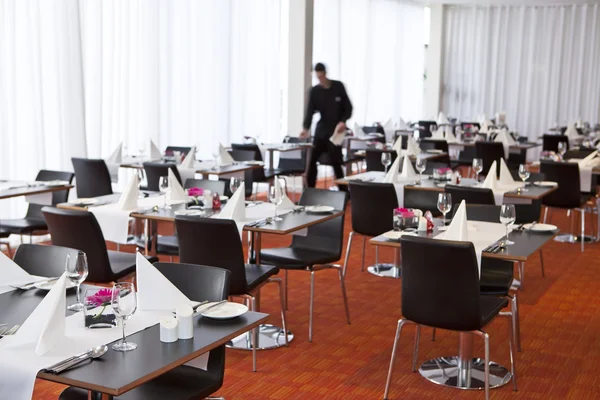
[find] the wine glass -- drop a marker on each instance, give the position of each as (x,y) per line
(163,186)
(234,183)
(477,167)
(386,160)
(562,148)
(77,270)
(276,197)
(523,174)
(124,304)
(432,129)
(142,148)
(444,204)
(421,164)
(215,155)
(507,217)
(141,175)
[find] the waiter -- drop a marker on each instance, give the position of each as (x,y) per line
(328,98)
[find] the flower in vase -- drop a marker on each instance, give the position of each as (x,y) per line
(195,193)
(101,298)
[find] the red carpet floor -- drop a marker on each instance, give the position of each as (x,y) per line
(560,326)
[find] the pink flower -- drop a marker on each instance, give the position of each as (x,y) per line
(195,192)
(101,298)
(404,212)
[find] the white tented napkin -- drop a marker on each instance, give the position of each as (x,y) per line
(506,139)
(458,229)
(588,159)
(286,203)
(412,148)
(485,126)
(116,156)
(398,145)
(450,138)
(176,192)
(358,130)
(45,326)
(438,134)
(235,208)
(442,119)
(572,134)
(392,174)
(11,274)
(388,128)
(402,125)
(129,198)
(506,178)
(154,290)
(408,171)
(491,181)
(190,159)
(224,156)
(155,153)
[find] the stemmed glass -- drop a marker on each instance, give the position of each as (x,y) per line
(477,167)
(124,304)
(432,129)
(163,186)
(444,204)
(77,270)
(562,148)
(507,217)
(386,160)
(523,174)
(276,197)
(142,148)
(234,183)
(215,155)
(141,175)
(421,164)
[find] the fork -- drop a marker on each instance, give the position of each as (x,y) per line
(6,331)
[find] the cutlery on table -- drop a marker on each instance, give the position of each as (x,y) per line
(5,331)
(94,352)
(214,305)
(31,285)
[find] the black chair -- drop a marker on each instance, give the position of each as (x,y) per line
(170,150)
(470,195)
(550,142)
(568,196)
(370,220)
(489,152)
(80,230)
(5,235)
(425,132)
(154,170)
(528,212)
(318,250)
(199,242)
(441,289)
(258,174)
(92,177)
(293,166)
(434,144)
(41,260)
(251,174)
(198,283)
(34,219)
(373,159)
(219,186)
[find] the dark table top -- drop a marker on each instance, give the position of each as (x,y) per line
(225,170)
(30,190)
(519,146)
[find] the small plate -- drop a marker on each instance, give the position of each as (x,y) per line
(319,209)
(545,183)
(189,212)
(55,183)
(49,285)
(227,310)
(443,184)
(434,151)
(254,162)
(85,202)
(540,227)
(396,235)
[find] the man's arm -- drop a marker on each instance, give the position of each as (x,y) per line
(346,104)
(310,110)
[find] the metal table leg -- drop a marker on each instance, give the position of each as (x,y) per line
(388,270)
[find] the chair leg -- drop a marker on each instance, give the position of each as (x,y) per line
(582,211)
(511,344)
(486,341)
(285,288)
(521,267)
(545,214)
(542,263)
(282,303)
(516,324)
(344,295)
(8,249)
(362,268)
(416,348)
(254,336)
(310,312)
(376,256)
(348,247)
(390,370)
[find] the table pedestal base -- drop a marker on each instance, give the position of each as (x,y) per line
(269,337)
(446,371)
(569,238)
(386,270)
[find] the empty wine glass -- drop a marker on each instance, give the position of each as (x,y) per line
(477,167)
(142,148)
(523,174)
(421,164)
(444,204)
(386,160)
(432,129)
(141,175)
(163,186)
(276,197)
(77,270)
(507,217)
(234,183)
(562,148)
(124,304)
(215,155)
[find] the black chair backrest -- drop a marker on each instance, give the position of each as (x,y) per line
(61,196)
(248,147)
(568,194)
(206,184)
(329,235)
(213,242)
(154,170)
(550,142)
(92,176)
(368,219)
(426,125)
(440,283)
(373,159)
(470,195)
(375,129)
(201,283)
(434,144)
(482,212)
(489,152)
(40,260)
(295,163)
(242,155)
(533,176)
(251,175)
(170,150)
(80,230)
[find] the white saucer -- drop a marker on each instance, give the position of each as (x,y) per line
(227,310)
(545,183)
(85,202)
(49,285)
(55,183)
(319,209)
(189,212)
(396,235)
(540,228)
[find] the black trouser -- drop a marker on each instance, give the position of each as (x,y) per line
(323,145)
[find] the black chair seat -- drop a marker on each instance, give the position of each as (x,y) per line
(296,258)
(259,274)
(271,173)
(490,307)
(122,263)
(496,277)
(24,225)
(4,234)
(167,245)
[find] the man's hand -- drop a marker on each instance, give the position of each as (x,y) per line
(304,134)
(340,127)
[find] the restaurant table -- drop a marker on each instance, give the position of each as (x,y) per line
(226,170)
(518,146)
(464,371)
(429,156)
(22,189)
(284,148)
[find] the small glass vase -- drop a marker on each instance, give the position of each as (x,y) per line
(402,222)
(97,311)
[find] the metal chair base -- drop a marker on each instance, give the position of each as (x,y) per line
(269,337)
(444,371)
(570,238)
(385,270)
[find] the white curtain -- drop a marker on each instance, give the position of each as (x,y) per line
(376,48)
(539,64)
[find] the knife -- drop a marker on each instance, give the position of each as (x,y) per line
(213,306)
(32,284)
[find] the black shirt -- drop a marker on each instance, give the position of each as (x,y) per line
(332,103)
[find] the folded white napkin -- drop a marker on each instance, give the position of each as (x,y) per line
(286,203)
(506,178)
(481,118)
(491,181)
(572,134)
(392,174)
(116,156)
(176,192)
(224,156)
(485,126)
(358,130)
(589,158)
(190,159)
(235,208)
(408,171)
(388,128)
(398,145)
(438,134)
(450,138)
(337,138)
(154,291)
(129,198)
(500,118)
(45,326)
(155,153)
(402,125)
(11,274)
(458,228)
(442,119)
(506,139)
(412,147)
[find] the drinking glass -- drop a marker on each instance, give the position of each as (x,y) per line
(77,270)
(163,186)
(234,183)
(432,129)
(124,304)
(562,148)
(444,204)
(142,148)
(141,175)
(276,197)
(421,164)
(507,217)
(386,160)
(477,167)
(523,174)
(215,155)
